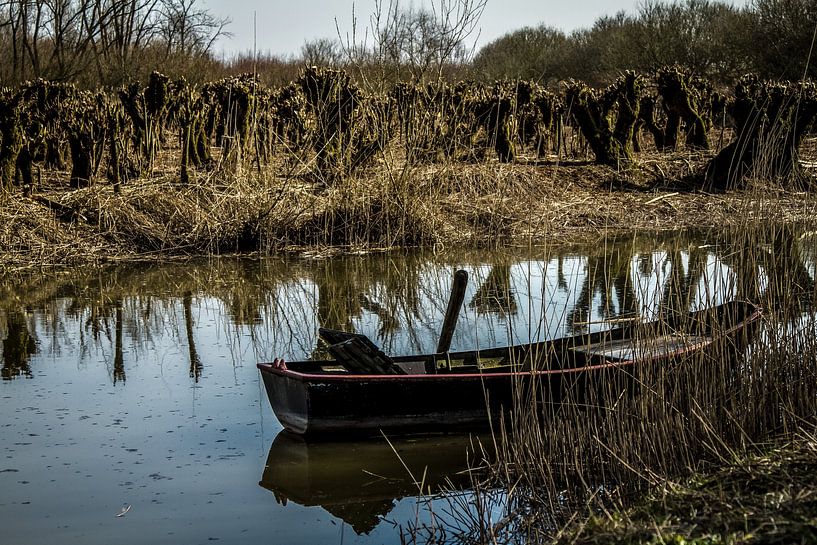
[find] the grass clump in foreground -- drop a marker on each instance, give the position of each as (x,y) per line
(768,497)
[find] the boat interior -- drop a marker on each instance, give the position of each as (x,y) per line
(673,334)
(356,354)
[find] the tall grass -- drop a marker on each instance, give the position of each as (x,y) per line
(327,163)
(558,465)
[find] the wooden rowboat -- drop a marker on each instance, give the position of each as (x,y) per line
(363,391)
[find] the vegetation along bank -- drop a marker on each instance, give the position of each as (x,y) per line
(236,166)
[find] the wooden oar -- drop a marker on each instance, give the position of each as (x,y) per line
(453,311)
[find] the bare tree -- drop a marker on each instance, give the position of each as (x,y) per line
(426,40)
(127,27)
(187,29)
(784,38)
(321,52)
(115,40)
(23,20)
(419,42)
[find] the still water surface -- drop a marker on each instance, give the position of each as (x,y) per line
(135,388)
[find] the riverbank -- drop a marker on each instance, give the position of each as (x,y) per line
(766,497)
(477,205)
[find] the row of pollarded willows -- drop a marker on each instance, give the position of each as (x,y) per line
(326,125)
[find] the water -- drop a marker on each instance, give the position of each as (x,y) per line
(134,388)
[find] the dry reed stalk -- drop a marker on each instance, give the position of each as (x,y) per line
(555,460)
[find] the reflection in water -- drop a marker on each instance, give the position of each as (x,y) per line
(119,357)
(338,290)
(609,283)
(360,482)
(397,299)
(193,419)
(195,361)
(18,347)
(389,323)
(495,295)
(781,263)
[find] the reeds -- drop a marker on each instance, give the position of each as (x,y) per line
(428,205)
(587,460)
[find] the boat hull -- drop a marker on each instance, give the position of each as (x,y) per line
(317,405)
(364,405)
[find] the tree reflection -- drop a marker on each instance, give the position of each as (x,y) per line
(18,347)
(397,298)
(195,361)
(681,288)
(244,300)
(382,285)
(608,278)
(339,289)
(495,295)
(119,357)
(389,323)
(770,266)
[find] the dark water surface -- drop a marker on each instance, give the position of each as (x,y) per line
(135,386)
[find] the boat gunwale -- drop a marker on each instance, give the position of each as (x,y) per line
(481,375)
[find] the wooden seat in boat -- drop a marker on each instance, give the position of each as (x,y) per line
(358,354)
(647,347)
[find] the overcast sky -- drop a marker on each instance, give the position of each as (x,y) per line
(284,25)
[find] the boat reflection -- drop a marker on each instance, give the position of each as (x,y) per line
(361,482)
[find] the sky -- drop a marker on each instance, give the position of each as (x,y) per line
(282,26)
